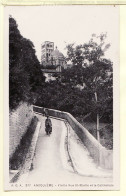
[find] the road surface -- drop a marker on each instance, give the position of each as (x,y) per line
(52,163)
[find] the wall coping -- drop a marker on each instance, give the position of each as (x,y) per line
(80,125)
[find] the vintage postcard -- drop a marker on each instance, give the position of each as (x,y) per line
(61,71)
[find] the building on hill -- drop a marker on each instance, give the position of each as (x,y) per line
(57,60)
(52,61)
(50,74)
(50,58)
(47,48)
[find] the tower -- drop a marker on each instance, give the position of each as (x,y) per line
(47,48)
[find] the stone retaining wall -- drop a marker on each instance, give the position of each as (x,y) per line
(100,154)
(18,123)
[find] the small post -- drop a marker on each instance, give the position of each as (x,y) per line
(98,135)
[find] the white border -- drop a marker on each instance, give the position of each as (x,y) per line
(116,126)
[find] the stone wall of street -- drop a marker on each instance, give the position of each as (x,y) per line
(101,156)
(19,120)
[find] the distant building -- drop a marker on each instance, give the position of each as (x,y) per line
(47,48)
(57,60)
(52,60)
(50,74)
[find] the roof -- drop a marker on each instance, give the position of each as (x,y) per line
(57,54)
(47,42)
(50,71)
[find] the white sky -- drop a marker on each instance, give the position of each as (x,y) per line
(67,24)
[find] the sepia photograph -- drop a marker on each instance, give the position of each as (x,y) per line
(62,97)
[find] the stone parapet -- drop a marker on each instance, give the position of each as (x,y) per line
(101,156)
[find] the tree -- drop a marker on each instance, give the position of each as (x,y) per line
(25,76)
(87,53)
(94,73)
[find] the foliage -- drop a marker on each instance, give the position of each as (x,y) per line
(85,89)
(63,97)
(87,53)
(23,68)
(75,89)
(93,72)
(106,133)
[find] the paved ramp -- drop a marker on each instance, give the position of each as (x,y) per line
(52,163)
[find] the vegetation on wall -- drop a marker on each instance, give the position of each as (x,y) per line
(18,158)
